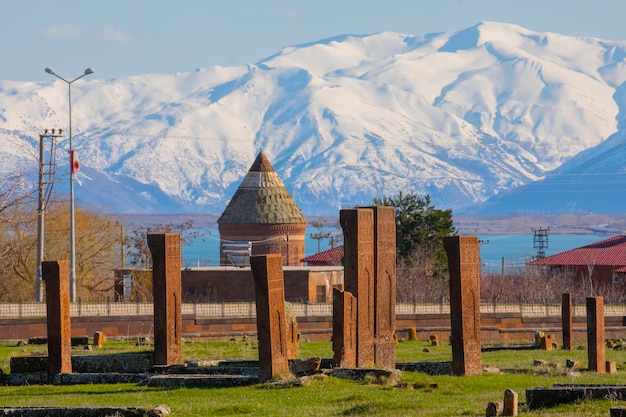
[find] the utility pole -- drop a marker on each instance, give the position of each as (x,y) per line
(319,236)
(47,173)
(122,247)
(540,241)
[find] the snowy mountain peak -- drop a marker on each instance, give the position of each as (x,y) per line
(462,116)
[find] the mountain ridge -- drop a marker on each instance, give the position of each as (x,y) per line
(464,116)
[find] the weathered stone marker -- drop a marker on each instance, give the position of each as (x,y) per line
(344,329)
(618,411)
(595,334)
(567,320)
(384,286)
(98,339)
(547,342)
(510,403)
(494,409)
(611,367)
(358,232)
(464,266)
(56,276)
(166,290)
(269,288)
(292,336)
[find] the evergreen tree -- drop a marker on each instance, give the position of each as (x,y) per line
(420,227)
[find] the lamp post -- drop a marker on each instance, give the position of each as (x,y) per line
(72,169)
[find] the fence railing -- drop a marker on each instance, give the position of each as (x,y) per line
(248,309)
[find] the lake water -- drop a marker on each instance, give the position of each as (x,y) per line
(515,249)
(205,251)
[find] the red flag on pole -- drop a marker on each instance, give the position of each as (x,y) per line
(74,165)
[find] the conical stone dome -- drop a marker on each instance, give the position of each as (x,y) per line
(262,198)
(263,213)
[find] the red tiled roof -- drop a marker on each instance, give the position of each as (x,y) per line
(330,255)
(609,252)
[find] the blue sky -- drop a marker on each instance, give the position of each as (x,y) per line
(127,37)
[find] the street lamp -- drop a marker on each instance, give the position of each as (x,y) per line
(72,170)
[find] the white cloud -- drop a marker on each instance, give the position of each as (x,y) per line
(114,34)
(64,31)
(290,14)
(111,33)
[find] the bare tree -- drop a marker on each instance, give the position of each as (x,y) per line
(416,279)
(591,263)
(529,284)
(14,190)
(97,243)
(138,251)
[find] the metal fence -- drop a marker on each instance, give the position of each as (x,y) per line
(248,309)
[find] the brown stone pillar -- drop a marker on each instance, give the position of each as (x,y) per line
(269,289)
(358,244)
(384,286)
(464,266)
(166,290)
(344,329)
(292,335)
(511,403)
(56,276)
(567,320)
(595,334)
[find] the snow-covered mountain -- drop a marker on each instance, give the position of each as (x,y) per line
(463,116)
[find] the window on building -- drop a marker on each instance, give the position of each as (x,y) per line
(320,294)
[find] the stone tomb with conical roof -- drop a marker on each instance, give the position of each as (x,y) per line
(264,213)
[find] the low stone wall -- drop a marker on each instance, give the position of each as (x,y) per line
(91,363)
(161,410)
(496,327)
(570,393)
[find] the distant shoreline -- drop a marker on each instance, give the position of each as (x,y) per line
(593,224)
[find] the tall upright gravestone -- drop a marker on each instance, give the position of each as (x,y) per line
(464,266)
(56,276)
(384,286)
(595,334)
(344,329)
(166,288)
(269,289)
(566,320)
(358,231)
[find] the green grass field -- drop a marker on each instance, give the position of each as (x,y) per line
(417,395)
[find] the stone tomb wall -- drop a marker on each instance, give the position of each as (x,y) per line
(502,327)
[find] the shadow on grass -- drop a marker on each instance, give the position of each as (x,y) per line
(237,410)
(30,390)
(366,408)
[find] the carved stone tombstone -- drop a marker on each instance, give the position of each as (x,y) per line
(511,403)
(56,276)
(292,333)
(344,329)
(567,320)
(464,266)
(98,339)
(384,286)
(358,232)
(269,289)
(166,289)
(595,334)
